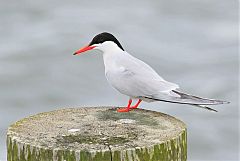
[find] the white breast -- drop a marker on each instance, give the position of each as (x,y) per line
(116,73)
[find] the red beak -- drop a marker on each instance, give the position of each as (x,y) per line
(86,48)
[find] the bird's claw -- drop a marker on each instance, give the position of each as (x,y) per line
(123,110)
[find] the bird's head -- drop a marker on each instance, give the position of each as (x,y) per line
(103,41)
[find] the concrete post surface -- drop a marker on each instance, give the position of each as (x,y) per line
(97,134)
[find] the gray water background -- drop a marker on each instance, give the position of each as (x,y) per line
(192,43)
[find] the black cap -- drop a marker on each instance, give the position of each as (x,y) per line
(105,36)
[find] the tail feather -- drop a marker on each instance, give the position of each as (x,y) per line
(206,108)
(191,99)
(188,99)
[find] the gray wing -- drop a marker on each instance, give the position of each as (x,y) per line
(136,78)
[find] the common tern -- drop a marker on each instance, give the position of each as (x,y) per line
(136,79)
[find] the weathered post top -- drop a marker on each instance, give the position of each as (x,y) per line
(97,134)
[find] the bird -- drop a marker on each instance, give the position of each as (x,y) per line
(136,79)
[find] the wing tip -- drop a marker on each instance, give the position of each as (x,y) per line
(206,108)
(226,102)
(222,102)
(211,109)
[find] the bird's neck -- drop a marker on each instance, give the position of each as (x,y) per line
(111,57)
(110,48)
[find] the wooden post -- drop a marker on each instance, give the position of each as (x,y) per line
(97,134)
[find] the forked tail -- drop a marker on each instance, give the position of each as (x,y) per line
(183,98)
(191,99)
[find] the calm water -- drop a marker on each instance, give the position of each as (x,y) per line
(191,43)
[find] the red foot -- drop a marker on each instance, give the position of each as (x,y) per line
(135,106)
(123,110)
(128,108)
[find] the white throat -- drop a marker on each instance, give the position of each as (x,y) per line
(111,54)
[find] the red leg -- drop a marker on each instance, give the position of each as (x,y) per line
(135,106)
(127,108)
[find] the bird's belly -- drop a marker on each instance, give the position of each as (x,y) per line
(120,83)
